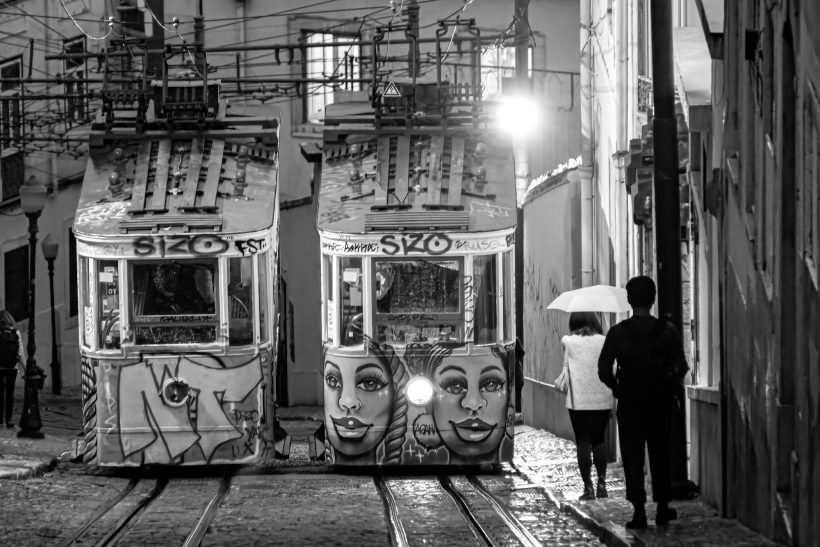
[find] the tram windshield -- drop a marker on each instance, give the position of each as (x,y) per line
(418,300)
(174,302)
(407,300)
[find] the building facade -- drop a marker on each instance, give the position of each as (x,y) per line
(747,113)
(44,121)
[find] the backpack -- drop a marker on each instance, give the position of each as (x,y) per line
(9,347)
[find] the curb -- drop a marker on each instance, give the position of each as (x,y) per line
(22,470)
(604,532)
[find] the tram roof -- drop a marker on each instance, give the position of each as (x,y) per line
(180,178)
(387,178)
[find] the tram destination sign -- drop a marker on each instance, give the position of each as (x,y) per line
(416,244)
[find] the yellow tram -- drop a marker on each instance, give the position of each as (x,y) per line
(416,223)
(177,238)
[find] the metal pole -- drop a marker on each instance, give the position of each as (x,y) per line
(667,213)
(30,422)
(56,372)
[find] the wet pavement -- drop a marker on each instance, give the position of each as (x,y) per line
(545,495)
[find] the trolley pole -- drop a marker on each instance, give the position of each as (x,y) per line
(667,215)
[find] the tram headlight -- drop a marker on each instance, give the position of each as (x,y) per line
(419,391)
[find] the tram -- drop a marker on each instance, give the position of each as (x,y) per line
(176,233)
(416,219)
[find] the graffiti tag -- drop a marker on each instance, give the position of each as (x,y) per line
(432,244)
(251,246)
(171,245)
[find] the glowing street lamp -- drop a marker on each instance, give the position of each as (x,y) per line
(518,115)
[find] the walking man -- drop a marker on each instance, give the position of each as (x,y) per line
(650,363)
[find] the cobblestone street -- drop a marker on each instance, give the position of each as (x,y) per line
(296,501)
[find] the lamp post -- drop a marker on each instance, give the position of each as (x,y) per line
(50,249)
(32,200)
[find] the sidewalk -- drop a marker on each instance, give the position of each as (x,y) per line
(550,462)
(546,460)
(61,415)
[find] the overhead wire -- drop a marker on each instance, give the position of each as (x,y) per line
(110,24)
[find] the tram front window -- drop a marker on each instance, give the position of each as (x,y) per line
(485,319)
(240,301)
(108,291)
(351,297)
(418,300)
(174,302)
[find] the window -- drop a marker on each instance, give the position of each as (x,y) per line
(16,277)
(240,303)
(418,300)
(174,302)
(11,120)
(351,299)
(485,318)
(508,296)
(498,63)
(325,61)
(329,309)
(72,274)
(263,297)
(108,303)
(76,91)
(88,311)
(12,171)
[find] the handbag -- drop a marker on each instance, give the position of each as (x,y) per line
(562,382)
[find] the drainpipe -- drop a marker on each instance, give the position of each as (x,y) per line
(585,170)
(622,131)
(522,88)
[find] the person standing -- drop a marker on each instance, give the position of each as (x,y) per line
(589,401)
(11,359)
(650,363)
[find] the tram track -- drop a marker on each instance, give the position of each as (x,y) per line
(485,515)
(396,532)
(481,534)
(208,515)
(108,524)
(120,514)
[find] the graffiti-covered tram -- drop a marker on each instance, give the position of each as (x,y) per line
(176,233)
(416,226)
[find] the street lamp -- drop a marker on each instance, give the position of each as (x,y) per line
(32,200)
(50,249)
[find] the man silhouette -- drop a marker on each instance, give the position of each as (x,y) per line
(651,362)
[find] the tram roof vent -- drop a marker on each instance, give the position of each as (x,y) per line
(416,221)
(186,223)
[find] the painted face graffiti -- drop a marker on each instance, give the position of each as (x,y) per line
(358,403)
(470,407)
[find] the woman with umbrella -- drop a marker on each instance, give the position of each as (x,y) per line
(589,401)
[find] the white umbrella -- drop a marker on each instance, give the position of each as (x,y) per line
(602,298)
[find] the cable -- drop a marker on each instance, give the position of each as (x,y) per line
(455,27)
(110,24)
(174,22)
